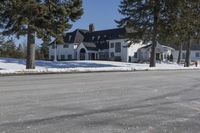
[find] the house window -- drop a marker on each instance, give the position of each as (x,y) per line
(70,37)
(99,37)
(112,45)
(103,55)
(135,55)
(62,57)
(69,57)
(129,59)
(117,47)
(66,46)
(197,54)
(112,54)
(52,57)
(96,56)
(93,38)
(183,56)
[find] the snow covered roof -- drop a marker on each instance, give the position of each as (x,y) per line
(158,46)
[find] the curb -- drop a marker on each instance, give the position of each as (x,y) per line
(21,73)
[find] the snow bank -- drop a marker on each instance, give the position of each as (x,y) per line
(17,66)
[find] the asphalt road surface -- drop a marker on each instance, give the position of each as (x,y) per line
(118,102)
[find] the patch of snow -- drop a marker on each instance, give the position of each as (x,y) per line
(16,66)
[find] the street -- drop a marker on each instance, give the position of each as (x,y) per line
(112,102)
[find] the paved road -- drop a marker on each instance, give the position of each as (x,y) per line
(130,102)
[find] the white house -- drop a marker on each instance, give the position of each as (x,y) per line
(163,53)
(95,45)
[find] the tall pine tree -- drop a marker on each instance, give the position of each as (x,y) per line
(190,16)
(143,18)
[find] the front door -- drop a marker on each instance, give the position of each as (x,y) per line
(93,56)
(82,54)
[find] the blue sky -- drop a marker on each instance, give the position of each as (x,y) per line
(101,13)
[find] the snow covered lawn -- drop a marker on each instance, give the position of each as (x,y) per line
(17,66)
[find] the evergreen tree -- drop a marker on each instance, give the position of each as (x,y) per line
(8,48)
(159,20)
(45,49)
(183,22)
(1,44)
(190,10)
(36,18)
(142,19)
(20,52)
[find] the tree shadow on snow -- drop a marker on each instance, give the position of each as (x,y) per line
(59,64)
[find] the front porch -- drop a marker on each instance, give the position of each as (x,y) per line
(85,54)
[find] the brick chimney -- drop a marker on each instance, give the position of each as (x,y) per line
(91,28)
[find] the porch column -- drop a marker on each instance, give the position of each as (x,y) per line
(86,56)
(163,57)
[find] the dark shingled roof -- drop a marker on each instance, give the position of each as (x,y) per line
(76,36)
(99,38)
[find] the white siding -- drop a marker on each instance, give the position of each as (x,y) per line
(60,50)
(124,50)
(132,50)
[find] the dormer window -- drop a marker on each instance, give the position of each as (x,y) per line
(70,38)
(93,38)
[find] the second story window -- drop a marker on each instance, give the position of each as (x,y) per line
(111,45)
(135,55)
(197,54)
(117,47)
(93,37)
(70,37)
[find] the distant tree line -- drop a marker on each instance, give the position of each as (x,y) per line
(8,48)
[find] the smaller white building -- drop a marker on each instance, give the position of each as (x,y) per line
(163,53)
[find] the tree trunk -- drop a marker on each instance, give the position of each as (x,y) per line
(156,11)
(30,58)
(188,52)
(179,54)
